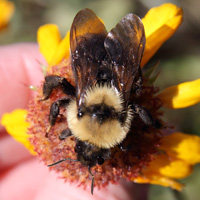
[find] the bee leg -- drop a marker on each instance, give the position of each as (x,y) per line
(54,112)
(144,115)
(52,82)
(64,134)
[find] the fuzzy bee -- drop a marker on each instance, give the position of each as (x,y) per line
(106,68)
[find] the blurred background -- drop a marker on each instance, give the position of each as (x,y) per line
(179,57)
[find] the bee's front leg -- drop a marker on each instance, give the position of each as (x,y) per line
(55,111)
(52,82)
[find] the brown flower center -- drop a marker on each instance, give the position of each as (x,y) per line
(126,160)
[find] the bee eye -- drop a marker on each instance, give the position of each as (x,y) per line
(100,160)
(80,114)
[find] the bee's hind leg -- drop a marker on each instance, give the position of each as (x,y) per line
(143,114)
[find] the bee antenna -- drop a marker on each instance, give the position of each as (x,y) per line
(61,161)
(92,175)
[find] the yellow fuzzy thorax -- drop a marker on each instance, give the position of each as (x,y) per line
(107,95)
(105,135)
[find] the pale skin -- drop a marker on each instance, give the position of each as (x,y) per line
(22,176)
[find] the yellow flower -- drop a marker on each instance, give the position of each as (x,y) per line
(178,152)
(6,12)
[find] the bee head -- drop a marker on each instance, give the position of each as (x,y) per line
(99,113)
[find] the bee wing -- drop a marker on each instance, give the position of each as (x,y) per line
(125,45)
(87,37)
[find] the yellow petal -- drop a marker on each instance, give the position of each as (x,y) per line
(182,95)
(170,167)
(182,146)
(160,23)
(163,170)
(158,180)
(6,11)
(48,38)
(62,51)
(182,151)
(16,125)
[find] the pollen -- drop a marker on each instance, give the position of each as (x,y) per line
(127,159)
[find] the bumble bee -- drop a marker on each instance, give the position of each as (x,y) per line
(106,69)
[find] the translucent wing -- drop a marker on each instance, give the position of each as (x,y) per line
(87,37)
(125,45)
